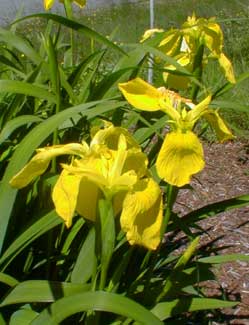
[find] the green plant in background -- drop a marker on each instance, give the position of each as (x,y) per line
(114,262)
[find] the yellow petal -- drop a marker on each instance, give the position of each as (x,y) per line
(110,137)
(180,157)
(39,163)
(178,81)
(149,33)
(197,112)
(141,217)
(48,4)
(213,37)
(136,161)
(87,203)
(80,3)
(227,68)
(141,94)
(65,194)
(221,130)
(171,44)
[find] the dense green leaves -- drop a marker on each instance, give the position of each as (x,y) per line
(55,90)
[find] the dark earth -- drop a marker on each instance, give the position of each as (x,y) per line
(226,175)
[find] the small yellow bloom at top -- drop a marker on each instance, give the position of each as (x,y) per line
(183,44)
(49,3)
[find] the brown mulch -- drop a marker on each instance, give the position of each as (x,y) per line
(226,175)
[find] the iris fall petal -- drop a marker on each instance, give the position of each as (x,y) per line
(180,157)
(65,194)
(141,217)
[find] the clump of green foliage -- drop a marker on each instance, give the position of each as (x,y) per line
(53,94)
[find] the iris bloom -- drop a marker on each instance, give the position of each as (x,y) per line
(111,167)
(181,154)
(183,44)
(49,3)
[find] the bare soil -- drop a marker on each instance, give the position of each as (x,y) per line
(226,175)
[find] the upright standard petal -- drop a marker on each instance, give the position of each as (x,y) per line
(65,195)
(180,157)
(141,217)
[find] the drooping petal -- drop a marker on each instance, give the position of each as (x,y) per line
(221,130)
(141,94)
(65,194)
(88,196)
(141,217)
(180,157)
(227,68)
(39,163)
(48,4)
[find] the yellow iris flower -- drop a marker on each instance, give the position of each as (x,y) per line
(49,3)
(183,44)
(181,154)
(111,167)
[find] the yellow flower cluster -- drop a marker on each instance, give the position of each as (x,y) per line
(183,45)
(112,167)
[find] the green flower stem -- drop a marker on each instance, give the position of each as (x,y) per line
(171,197)
(107,238)
(69,14)
(197,71)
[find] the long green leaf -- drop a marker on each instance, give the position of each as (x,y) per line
(42,291)
(211,210)
(25,88)
(38,228)
(31,142)
(230,104)
(228,86)
(76,26)
(102,301)
(7,279)
(16,123)
(86,260)
(22,316)
(20,44)
(224,258)
(164,310)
